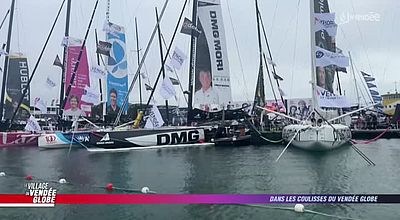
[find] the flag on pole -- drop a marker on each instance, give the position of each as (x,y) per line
(39,103)
(189,29)
(148,88)
(167,90)
(90,95)
(326,21)
(57,62)
(71,41)
(104,48)
(178,58)
(97,71)
(325,58)
(32,124)
(154,120)
(174,81)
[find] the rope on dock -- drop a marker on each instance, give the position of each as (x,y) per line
(371,140)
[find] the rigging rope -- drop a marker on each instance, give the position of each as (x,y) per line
(294,48)
(238,53)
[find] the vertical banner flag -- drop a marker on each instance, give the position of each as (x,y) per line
(325,75)
(117,77)
(212,76)
(75,106)
(154,120)
(17,82)
(167,90)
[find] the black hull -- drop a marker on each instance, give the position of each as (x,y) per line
(147,138)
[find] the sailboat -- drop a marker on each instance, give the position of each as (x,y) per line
(317,133)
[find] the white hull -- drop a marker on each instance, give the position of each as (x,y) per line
(317,138)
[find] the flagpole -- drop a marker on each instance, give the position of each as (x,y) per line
(162,64)
(5,70)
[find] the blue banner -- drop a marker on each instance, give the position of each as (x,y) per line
(117,77)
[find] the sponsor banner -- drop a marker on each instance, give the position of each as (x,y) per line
(117,77)
(71,41)
(178,58)
(299,108)
(154,120)
(326,21)
(168,138)
(17,82)
(189,29)
(91,96)
(75,106)
(32,124)
(275,106)
(97,71)
(325,76)
(104,48)
(329,100)
(212,76)
(167,89)
(325,58)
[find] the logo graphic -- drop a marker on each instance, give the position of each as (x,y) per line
(105,137)
(319,54)
(50,139)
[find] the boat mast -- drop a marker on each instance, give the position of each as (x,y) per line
(312,49)
(192,60)
(260,78)
(66,34)
(5,70)
(138,61)
(162,63)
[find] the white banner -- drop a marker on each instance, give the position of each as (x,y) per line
(91,96)
(178,58)
(50,83)
(71,41)
(109,27)
(154,120)
(32,124)
(167,90)
(212,75)
(329,100)
(39,103)
(325,58)
(97,71)
(326,21)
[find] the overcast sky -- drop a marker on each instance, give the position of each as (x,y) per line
(368,28)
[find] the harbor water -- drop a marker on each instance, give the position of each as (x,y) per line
(210,170)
